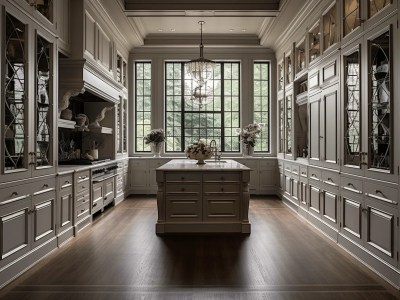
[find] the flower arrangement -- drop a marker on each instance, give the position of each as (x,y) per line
(155,136)
(250,133)
(199,150)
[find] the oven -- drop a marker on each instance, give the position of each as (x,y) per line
(103,186)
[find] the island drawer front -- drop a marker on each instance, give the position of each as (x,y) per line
(179,177)
(183,209)
(65,181)
(188,188)
(221,209)
(221,177)
(221,188)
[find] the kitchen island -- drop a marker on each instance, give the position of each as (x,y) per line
(208,198)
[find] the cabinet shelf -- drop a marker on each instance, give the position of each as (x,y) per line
(66,124)
(104,130)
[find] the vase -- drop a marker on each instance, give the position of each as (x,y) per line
(247,150)
(156,149)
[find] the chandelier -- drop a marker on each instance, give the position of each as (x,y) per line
(200,70)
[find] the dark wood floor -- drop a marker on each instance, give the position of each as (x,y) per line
(120,257)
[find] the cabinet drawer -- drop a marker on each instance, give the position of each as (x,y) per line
(65,181)
(172,188)
(303,172)
(183,208)
(280,164)
(221,177)
(330,178)
(288,168)
(82,186)
(222,208)
(82,198)
(15,193)
(82,176)
(295,170)
(221,188)
(380,192)
(179,177)
(81,212)
(314,174)
(353,185)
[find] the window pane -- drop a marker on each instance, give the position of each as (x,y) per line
(142,104)
(261,104)
(186,122)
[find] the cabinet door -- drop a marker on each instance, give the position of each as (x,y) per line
(330,208)
(138,178)
(15,162)
(315,201)
(44,106)
(281,181)
(314,108)
(295,190)
(44,217)
(15,230)
(381,144)
(352,109)
(381,230)
(289,126)
(303,195)
(329,127)
(351,217)
(65,204)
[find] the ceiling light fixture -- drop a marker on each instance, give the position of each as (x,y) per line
(200,70)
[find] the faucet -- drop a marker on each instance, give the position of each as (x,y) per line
(214,148)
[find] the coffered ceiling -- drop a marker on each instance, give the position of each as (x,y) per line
(171,21)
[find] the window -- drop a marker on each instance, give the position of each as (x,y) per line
(187,122)
(142,104)
(261,103)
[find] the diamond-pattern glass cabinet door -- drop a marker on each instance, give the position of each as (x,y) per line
(44,101)
(352,108)
(15,101)
(314,45)
(380,137)
(288,125)
(351,16)
(375,6)
(281,126)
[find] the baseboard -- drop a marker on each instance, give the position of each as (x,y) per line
(66,235)
(25,262)
(371,261)
(81,225)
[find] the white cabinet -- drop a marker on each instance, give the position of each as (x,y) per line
(63,24)
(28,126)
(369,133)
(143,174)
(27,221)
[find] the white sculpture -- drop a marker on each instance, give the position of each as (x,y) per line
(63,110)
(100,117)
(82,121)
(43,79)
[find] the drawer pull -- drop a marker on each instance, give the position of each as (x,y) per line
(94,204)
(364,210)
(45,185)
(330,182)
(384,199)
(352,190)
(105,198)
(14,194)
(313,175)
(82,210)
(66,182)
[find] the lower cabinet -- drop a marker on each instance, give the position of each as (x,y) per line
(28,226)
(143,174)
(65,208)
(103,193)
(82,205)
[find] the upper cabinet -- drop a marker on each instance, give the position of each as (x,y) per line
(314,43)
(370,129)
(300,57)
(351,16)
(329,27)
(281,76)
(289,67)
(28,133)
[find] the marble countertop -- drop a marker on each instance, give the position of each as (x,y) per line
(210,165)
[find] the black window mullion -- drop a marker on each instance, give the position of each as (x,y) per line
(222,142)
(183,110)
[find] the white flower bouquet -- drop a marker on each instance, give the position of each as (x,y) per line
(199,151)
(250,133)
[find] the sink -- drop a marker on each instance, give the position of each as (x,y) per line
(215,161)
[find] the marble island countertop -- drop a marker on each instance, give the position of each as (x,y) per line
(210,165)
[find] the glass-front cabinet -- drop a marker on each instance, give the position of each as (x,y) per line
(27,110)
(329,25)
(281,77)
(288,68)
(289,124)
(369,127)
(281,130)
(300,56)
(351,16)
(122,126)
(314,43)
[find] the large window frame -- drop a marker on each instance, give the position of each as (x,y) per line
(223,112)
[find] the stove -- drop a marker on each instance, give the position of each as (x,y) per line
(104,172)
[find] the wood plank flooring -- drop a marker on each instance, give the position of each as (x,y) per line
(120,257)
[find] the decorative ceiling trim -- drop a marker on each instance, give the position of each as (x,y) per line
(210,39)
(201,13)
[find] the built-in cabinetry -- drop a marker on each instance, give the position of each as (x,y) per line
(347,185)
(82,203)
